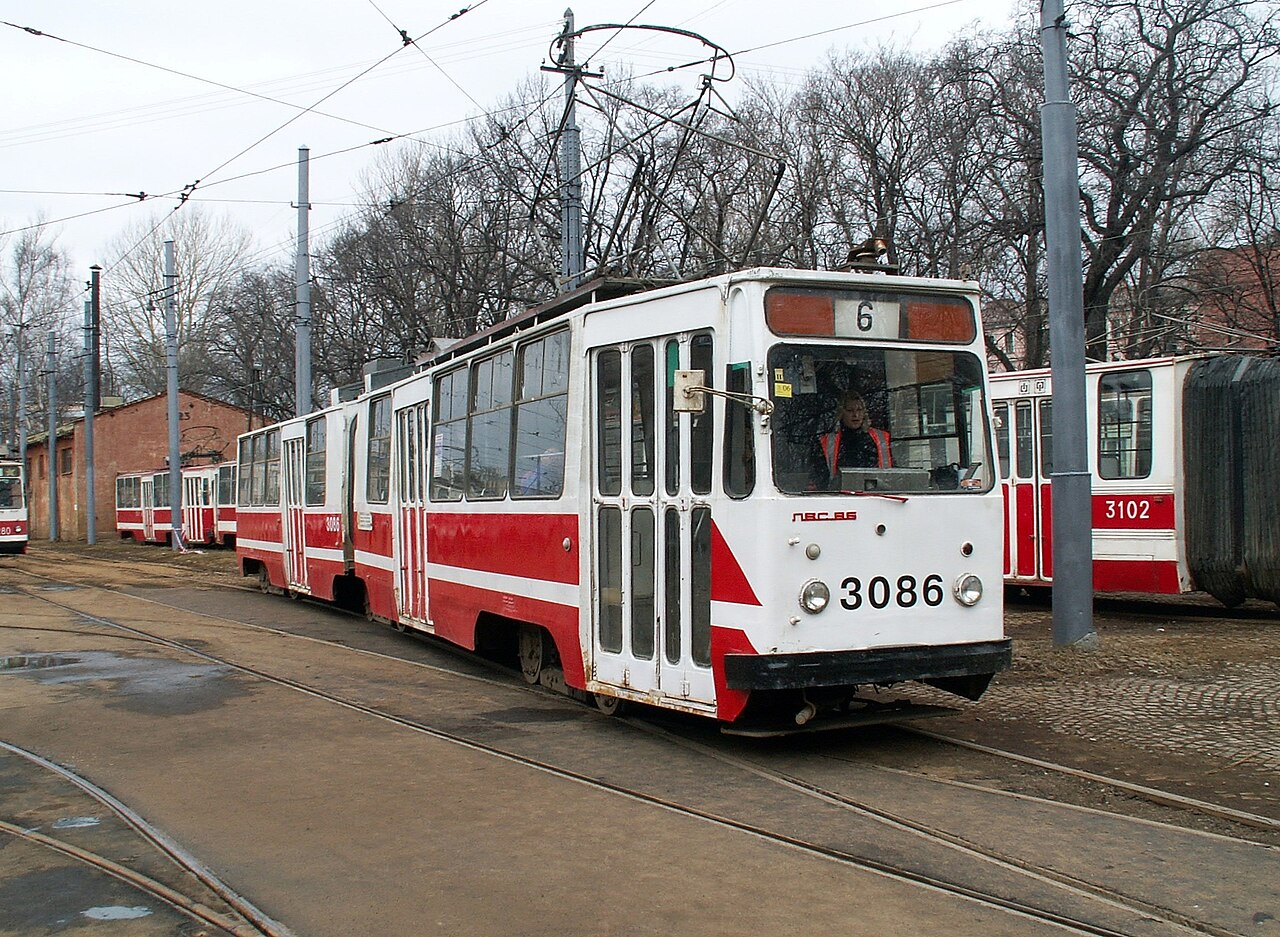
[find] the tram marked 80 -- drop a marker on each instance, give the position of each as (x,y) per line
(620,487)
(13,508)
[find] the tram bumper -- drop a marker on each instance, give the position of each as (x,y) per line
(963,669)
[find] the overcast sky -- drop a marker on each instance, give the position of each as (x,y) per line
(93,113)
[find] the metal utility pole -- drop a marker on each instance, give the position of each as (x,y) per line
(95,325)
(171,369)
(302,273)
(22,404)
(90,500)
(51,370)
(571,257)
(1072,513)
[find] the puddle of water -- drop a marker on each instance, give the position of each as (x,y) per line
(35,661)
(75,823)
(56,587)
(116,913)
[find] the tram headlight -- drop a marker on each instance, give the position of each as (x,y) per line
(814,596)
(968,589)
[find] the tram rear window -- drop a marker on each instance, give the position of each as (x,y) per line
(870,314)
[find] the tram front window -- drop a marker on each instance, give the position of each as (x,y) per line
(878,420)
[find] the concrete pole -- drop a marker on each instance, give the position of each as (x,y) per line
(95,329)
(90,495)
(171,369)
(51,370)
(1072,514)
(22,405)
(571,255)
(302,276)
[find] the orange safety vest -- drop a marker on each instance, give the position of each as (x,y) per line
(831,448)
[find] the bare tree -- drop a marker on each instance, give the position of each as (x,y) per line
(210,252)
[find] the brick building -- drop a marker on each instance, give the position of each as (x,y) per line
(125,438)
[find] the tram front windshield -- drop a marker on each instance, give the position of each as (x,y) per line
(885,420)
(10,486)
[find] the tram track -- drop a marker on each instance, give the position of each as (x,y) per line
(796,784)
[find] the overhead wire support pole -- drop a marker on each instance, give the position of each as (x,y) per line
(90,500)
(171,369)
(1071,489)
(572,260)
(51,371)
(302,279)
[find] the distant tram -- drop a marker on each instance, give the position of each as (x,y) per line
(1182,458)
(627,492)
(13,509)
(143,511)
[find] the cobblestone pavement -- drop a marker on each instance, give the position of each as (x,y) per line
(1181,695)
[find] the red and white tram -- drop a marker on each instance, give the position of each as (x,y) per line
(1181,452)
(629,491)
(143,511)
(13,509)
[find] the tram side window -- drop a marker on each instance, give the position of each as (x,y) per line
(378,465)
(1024,440)
(258,470)
(1124,425)
(1001,415)
(245,466)
(702,429)
(226,484)
(542,416)
(1046,438)
(315,461)
(160,490)
(489,468)
(271,456)
(739,443)
(609,421)
(449,441)
(643,430)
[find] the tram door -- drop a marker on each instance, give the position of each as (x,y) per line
(651,555)
(1030,511)
(195,499)
(411,515)
(148,508)
(293,466)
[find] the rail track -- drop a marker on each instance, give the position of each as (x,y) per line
(795,784)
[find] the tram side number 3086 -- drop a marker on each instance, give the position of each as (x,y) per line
(879,592)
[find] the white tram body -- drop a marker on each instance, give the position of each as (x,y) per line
(1180,455)
(546,484)
(13,508)
(144,514)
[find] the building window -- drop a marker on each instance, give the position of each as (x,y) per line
(64,460)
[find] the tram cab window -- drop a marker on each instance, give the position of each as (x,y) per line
(926,408)
(271,467)
(1124,425)
(226,484)
(739,441)
(245,467)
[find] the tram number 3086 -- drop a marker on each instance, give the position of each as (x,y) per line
(880,592)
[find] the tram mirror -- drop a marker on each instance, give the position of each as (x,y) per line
(687,396)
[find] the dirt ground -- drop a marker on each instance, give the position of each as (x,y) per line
(1180,695)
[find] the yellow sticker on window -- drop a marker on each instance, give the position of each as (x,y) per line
(781,390)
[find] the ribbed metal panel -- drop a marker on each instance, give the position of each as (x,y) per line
(1211,467)
(1257,389)
(1231,425)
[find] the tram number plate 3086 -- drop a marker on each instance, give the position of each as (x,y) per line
(882,591)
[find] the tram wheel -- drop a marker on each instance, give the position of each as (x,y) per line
(264,580)
(532,652)
(610,705)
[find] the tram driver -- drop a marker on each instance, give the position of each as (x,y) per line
(852,443)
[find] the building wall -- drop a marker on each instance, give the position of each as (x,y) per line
(129,438)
